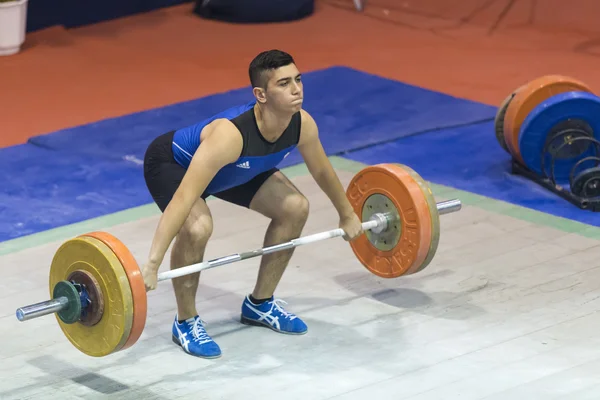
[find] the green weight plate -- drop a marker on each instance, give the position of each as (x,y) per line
(72,312)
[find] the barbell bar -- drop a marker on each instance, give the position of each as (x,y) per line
(377,223)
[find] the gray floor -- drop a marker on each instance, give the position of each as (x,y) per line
(507,310)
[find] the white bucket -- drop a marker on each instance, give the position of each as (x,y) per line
(13,25)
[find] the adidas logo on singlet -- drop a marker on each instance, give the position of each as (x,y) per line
(245,164)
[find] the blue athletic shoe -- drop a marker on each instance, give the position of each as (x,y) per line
(192,337)
(272,315)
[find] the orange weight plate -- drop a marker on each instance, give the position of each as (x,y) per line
(527,98)
(403,248)
(136,281)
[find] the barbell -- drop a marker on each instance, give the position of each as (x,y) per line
(98,293)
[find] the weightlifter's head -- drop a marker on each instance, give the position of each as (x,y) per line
(276,81)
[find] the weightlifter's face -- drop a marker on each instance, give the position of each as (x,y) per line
(285,91)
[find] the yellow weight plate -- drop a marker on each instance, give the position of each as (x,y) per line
(435,216)
(111,332)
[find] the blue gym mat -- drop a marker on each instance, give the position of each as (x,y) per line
(469,158)
(92,170)
(44,189)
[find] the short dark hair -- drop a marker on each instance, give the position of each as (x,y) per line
(265,62)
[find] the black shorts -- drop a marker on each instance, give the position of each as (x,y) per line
(163,176)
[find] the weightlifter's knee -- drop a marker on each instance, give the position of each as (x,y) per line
(195,233)
(294,210)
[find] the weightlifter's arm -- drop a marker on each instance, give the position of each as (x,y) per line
(320,168)
(221,146)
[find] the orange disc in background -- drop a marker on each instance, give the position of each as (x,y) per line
(529,96)
(136,281)
(403,248)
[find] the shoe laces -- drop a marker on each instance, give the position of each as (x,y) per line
(199,333)
(278,304)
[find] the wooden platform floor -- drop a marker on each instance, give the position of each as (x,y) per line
(507,310)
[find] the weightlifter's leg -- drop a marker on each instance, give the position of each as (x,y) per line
(188,248)
(279,200)
(163,175)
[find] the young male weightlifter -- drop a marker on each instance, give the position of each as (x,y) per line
(234,156)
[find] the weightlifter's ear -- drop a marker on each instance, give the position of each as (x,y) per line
(260,94)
